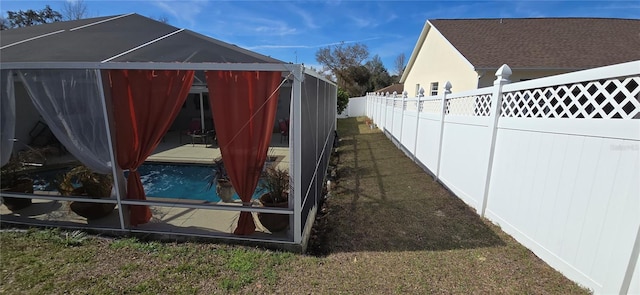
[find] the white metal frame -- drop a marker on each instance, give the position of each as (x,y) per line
(295,203)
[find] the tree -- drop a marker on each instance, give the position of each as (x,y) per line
(31,17)
(163,19)
(359,80)
(324,73)
(379,76)
(4,23)
(74,10)
(343,100)
(339,58)
(395,79)
(399,64)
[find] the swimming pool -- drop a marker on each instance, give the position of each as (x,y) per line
(174,181)
(177,181)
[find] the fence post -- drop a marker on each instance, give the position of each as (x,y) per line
(369,107)
(502,78)
(378,116)
(366,105)
(373,106)
(386,106)
(395,94)
(443,110)
(393,110)
(415,143)
(628,275)
(377,110)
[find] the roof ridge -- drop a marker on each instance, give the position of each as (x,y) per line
(550,43)
(119,38)
(535,18)
(232,46)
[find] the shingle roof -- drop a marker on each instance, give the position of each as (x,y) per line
(124,38)
(543,43)
(397,87)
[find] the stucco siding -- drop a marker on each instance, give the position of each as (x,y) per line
(438,61)
(488,76)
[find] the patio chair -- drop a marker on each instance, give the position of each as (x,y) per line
(211,134)
(194,130)
(210,130)
(284,129)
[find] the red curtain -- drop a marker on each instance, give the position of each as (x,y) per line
(145,103)
(244,108)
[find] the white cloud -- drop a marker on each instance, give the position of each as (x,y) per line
(233,20)
(379,17)
(363,22)
(270,46)
(275,29)
(185,10)
(307,19)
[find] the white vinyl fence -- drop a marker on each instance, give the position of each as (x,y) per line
(357,107)
(555,162)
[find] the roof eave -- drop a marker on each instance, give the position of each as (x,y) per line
(150,66)
(423,35)
(416,49)
(489,68)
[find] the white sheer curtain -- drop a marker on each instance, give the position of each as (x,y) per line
(7,115)
(70,103)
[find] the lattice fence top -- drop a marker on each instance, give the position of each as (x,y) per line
(482,105)
(475,105)
(411,105)
(389,102)
(607,99)
(430,106)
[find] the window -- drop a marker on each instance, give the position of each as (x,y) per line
(434,88)
(417,90)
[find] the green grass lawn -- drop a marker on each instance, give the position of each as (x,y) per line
(387,228)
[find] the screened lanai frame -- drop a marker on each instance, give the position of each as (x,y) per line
(313,122)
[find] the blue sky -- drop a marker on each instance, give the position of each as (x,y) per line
(293,31)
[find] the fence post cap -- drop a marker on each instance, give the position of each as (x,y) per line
(421,92)
(447,87)
(502,74)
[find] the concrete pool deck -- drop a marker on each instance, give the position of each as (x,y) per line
(172,150)
(170,219)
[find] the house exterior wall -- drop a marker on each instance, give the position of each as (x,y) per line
(488,76)
(438,61)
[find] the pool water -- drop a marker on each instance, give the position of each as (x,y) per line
(159,180)
(178,181)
